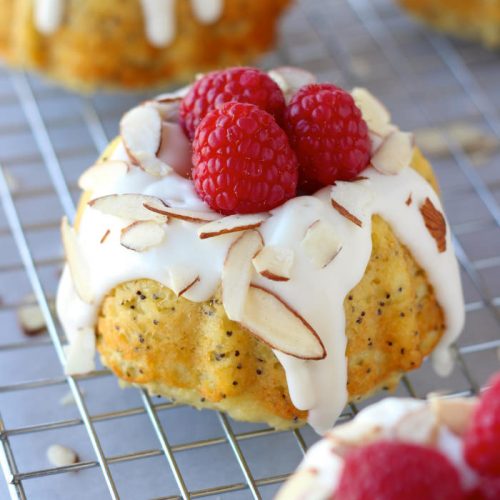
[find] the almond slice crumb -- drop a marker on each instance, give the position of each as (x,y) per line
(394,154)
(182,213)
(61,456)
(231,224)
(375,114)
(142,235)
(130,206)
(237,272)
(104,236)
(141,130)
(274,322)
(454,413)
(102,174)
(78,267)
(419,426)
(435,223)
(321,243)
(31,319)
(291,79)
(80,353)
(274,263)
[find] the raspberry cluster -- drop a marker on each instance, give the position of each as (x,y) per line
(391,470)
(251,151)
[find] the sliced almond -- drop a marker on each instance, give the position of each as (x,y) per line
(419,426)
(274,322)
(394,154)
(435,223)
(290,79)
(130,207)
(182,213)
(409,200)
(237,272)
(175,149)
(182,279)
(274,263)
(351,199)
(78,267)
(31,319)
(141,130)
(454,413)
(321,243)
(80,353)
(102,174)
(104,237)
(300,486)
(354,433)
(142,235)
(231,224)
(61,456)
(375,114)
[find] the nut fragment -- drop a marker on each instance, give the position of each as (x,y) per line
(419,426)
(375,114)
(274,263)
(78,267)
(130,206)
(274,322)
(31,319)
(394,154)
(321,243)
(291,79)
(142,235)
(237,272)
(182,213)
(231,224)
(351,199)
(102,174)
(61,456)
(454,413)
(435,223)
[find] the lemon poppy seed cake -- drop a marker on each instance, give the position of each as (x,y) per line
(472,19)
(134,43)
(260,244)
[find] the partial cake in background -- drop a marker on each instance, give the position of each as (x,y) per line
(297,260)
(407,449)
(471,19)
(87,44)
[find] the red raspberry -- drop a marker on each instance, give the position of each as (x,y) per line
(248,85)
(392,470)
(482,440)
(242,160)
(328,135)
(488,488)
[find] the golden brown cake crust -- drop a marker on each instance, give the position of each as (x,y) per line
(194,353)
(474,19)
(101,43)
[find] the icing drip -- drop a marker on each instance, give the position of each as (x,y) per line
(159,17)
(317,386)
(48,15)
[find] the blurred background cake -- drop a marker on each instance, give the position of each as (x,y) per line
(134,43)
(473,19)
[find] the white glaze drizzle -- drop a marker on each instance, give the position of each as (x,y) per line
(327,465)
(159,17)
(317,386)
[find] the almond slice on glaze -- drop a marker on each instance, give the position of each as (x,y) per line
(130,206)
(291,79)
(394,154)
(350,199)
(420,426)
(237,272)
(80,353)
(142,235)
(102,174)
(375,114)
(231,224)
(274,322)
(141,130)
(182,213)
(274,263)
(182,279)
(78,267)
(435,223)
(455,413)
(321,243)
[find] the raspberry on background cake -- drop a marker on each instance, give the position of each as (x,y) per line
(220,259)
(408,449)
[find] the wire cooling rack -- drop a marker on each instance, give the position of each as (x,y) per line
(131,445)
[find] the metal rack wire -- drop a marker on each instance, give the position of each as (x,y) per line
(131,446)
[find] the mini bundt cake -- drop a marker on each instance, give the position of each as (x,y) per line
(407,449)
(133,43)
(260,276)
(473,19)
